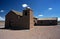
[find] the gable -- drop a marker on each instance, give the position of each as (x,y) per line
(17,13)
(13,12)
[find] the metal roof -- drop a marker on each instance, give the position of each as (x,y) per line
(51,18)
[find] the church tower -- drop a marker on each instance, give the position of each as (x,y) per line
(28,18)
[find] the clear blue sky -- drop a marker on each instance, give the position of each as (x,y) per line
(41,8)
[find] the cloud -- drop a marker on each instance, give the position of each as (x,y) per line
(1,10)
(1,18)
(24,5)
(40,15)
(36,16)
(58,19)
(28,7)
(50,8)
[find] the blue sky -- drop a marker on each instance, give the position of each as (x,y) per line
(41,8)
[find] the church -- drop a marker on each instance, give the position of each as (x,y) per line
(25,20)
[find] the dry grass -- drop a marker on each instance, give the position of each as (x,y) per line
(38,32)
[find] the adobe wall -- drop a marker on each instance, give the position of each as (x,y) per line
(11,20)
(31,20)
(47,22)
(27,19)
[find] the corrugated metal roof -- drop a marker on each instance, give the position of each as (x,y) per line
(16,12)
(52,18)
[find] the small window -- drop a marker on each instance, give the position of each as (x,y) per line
(26,13)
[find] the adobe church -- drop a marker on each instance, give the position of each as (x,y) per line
(25,20)
(22,20)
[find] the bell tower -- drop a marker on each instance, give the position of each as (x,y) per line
(28,18)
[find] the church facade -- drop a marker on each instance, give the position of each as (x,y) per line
(19,20)
(24,20)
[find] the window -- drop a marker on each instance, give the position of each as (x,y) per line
(26,13)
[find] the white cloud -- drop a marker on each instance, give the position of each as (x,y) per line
(58,19)
(28,7)
(24,5)
(36,16)
(1,19)
(50,8)
(40,15)
(1,10)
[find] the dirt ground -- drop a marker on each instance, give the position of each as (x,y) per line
(38,32)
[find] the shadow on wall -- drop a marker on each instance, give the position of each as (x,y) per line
(15,28)
(21,28)
(45,24)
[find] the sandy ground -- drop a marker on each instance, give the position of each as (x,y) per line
(38,32)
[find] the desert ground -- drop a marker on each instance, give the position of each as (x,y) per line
(38,32)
